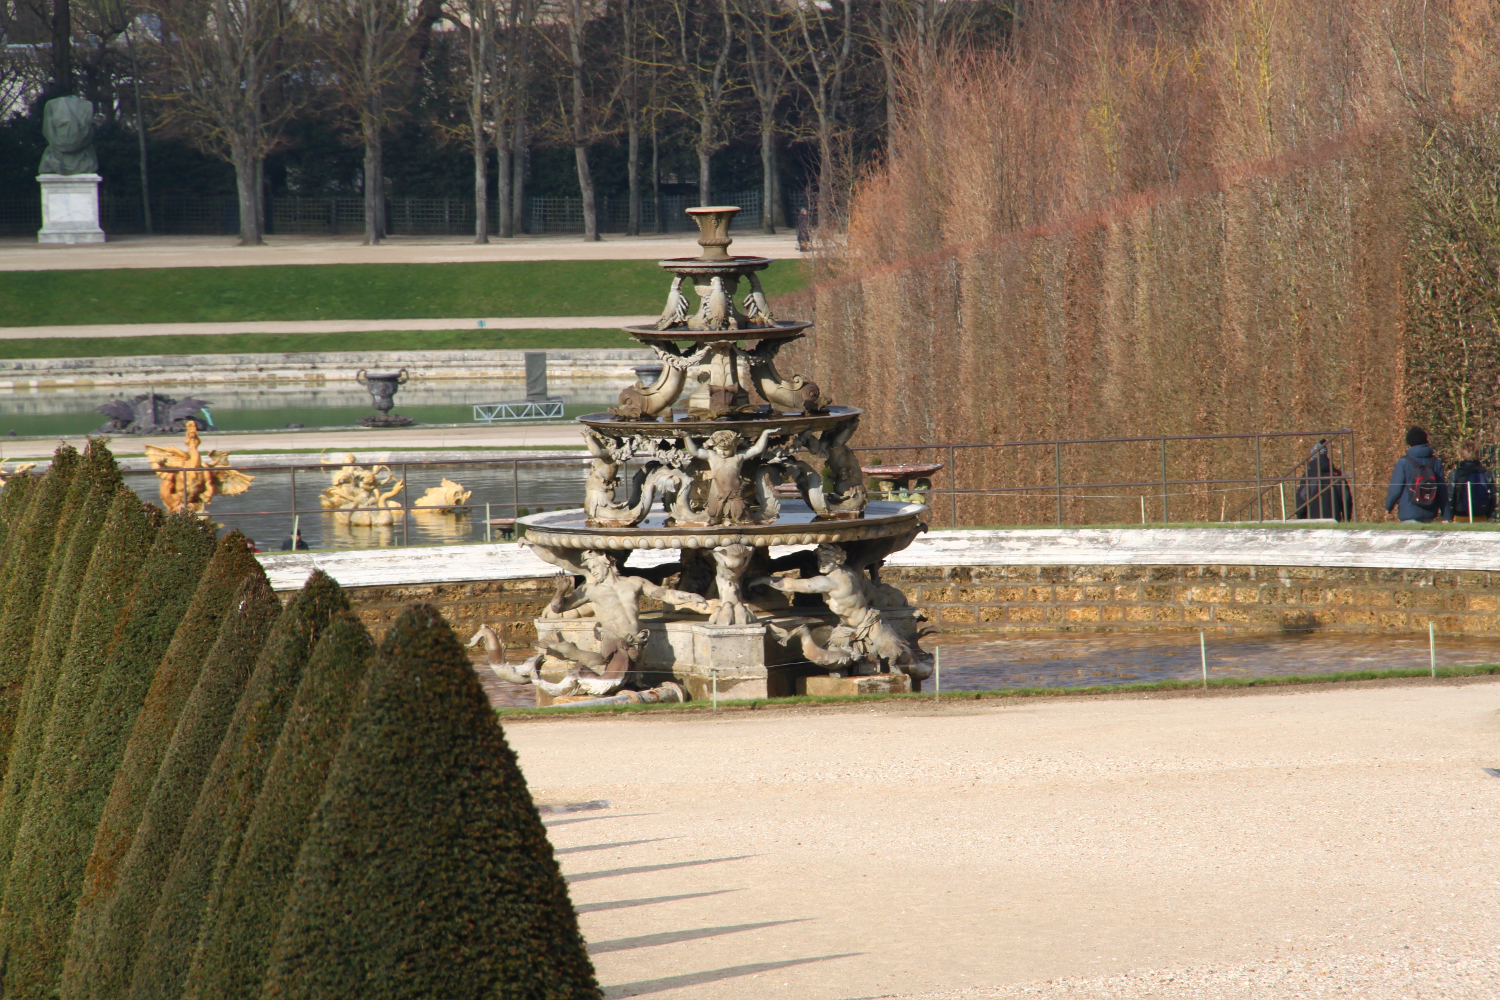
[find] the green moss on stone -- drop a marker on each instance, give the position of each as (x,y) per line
(250,894)
(228,794)
(25,584)
(195,743)
(173,682)
(42,911)
(427,872)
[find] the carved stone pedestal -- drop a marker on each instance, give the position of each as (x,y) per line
(70,209)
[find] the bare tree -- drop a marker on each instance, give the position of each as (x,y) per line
(702,37)
(768,79)
(479,22)
(817,52)
(225,58)
(364,46)
(578,117)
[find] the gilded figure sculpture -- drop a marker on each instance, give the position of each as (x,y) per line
(195,490)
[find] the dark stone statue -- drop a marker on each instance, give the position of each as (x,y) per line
(149,413)
(68,127)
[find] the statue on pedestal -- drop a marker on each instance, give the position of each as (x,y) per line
(68,127)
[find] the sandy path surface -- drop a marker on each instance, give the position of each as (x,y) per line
(1337,842)
(222,251)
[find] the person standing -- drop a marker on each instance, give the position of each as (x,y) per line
(1418,490)
(1471,493)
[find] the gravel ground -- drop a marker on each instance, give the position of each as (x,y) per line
(1422,972)
(1283,843)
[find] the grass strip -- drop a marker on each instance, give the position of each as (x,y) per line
(1002,694)
(177,345)
(345,291)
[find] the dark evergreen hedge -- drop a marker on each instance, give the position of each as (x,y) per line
(41,910)
(427,872)
(100,478)
(130,526)
(251,893)
(106,974)
(228,795)
(14,499)
(25,584)
(173,682)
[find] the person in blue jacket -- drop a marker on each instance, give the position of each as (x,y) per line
(1419,488)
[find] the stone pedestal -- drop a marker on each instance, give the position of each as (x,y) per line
(824,686)
(70,209)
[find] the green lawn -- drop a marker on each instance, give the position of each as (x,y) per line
(345,291)
(295,343)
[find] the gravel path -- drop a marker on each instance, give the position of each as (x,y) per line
(1338,842)
(1421,972)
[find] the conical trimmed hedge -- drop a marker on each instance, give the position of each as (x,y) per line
(251,894)
(427,872)
(25,584)
(154,725)
(14,498)
(130,527)
(101,478)
(229,792)
(106,974)
(41,901)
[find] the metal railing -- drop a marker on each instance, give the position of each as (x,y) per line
(968,497)
(1155,494)
(548,409)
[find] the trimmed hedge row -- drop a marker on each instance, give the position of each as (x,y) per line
(209,796)
(173,683)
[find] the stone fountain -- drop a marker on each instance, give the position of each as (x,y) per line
(726,541)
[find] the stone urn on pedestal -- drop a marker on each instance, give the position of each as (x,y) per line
(382,387)
(70,185)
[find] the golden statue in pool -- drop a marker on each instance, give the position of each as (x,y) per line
(194,491)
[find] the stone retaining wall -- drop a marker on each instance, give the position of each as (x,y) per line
(1217,598)
(1058,598)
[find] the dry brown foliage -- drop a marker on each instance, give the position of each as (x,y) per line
(1179,218)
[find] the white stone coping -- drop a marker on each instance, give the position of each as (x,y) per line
(1334,547)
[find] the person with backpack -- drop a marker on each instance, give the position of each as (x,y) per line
(1471,493)
(1418,490)
(1322,490)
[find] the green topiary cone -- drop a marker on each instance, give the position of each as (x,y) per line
(40,916)
(98,479)
(25,584)
(14,499)
(195,742)
(427,872)
(126,538)
(247,903)
(228,795)
(170,688)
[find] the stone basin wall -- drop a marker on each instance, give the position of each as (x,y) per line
(1068,598)
(1217,598)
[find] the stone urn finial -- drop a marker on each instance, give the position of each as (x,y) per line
(713,227)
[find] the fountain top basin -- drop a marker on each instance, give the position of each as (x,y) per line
(781,331)
(797,525)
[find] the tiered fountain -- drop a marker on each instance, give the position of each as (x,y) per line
(748,462)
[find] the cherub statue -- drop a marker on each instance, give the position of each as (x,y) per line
(861,631)
(6,475)
(726,463)
(616,601)
(194,491)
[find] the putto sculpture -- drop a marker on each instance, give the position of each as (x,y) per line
(739,470)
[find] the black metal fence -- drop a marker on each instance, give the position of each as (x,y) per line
(342,215)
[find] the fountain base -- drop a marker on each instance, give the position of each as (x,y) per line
(746,660)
